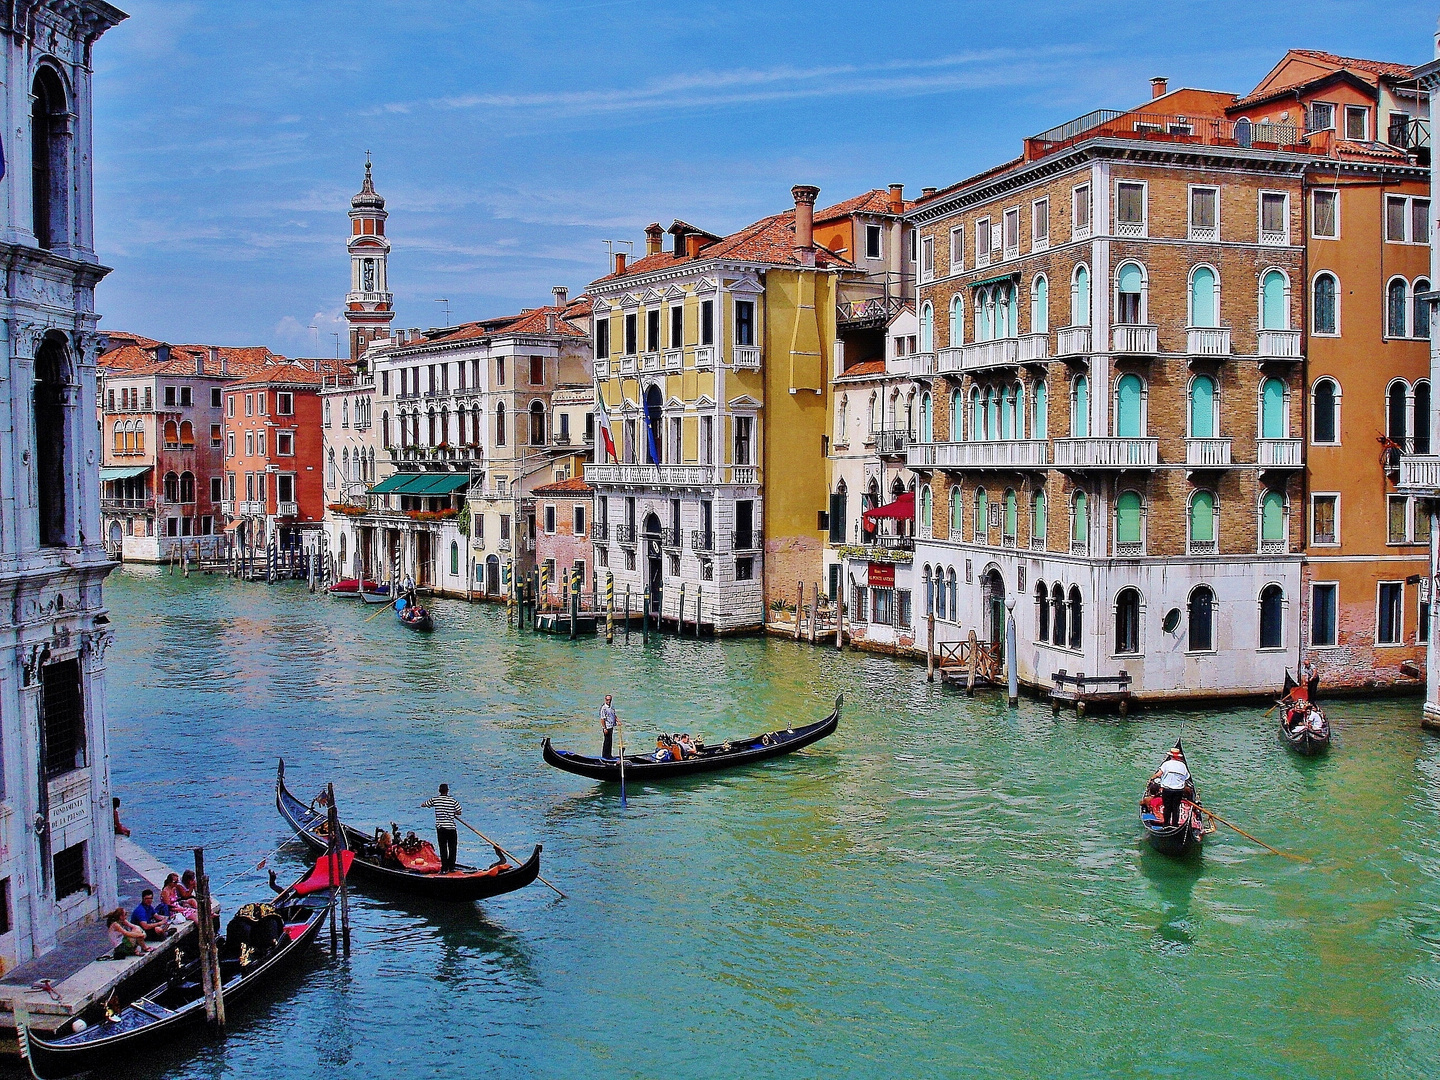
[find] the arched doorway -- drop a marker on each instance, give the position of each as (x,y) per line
(117,538)
(492,575)
(994,591)
(654,401)
(654,579)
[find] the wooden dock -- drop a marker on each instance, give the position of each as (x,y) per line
(969,664)
(1088,692)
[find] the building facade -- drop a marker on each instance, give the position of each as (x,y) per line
(562,539)
(57,851)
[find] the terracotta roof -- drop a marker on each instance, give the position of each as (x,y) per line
(875,201)
(574,486)
(137,355)
(1366,71)
(530,321)
(1370,151)
(1375,67)
(286,374)
(864,367)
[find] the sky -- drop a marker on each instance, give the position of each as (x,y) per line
(512,139)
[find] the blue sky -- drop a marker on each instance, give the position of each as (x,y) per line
(511,139)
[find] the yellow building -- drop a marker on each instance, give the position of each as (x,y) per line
(711,365)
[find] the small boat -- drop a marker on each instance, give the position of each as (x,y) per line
(260,940)
(413,617)
(465,883)
(372,593)
(642,768)
(1180,839)
(350,588)
(1304,726)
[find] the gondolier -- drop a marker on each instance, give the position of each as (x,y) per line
(608,720)
(446,811)
(1173,775)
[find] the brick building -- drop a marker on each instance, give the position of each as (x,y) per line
(562,538)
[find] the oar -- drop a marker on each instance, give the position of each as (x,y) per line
(502,851)
(621,724)
(389,605)
(1242,832)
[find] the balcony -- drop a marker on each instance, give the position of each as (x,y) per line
(1134,340)
(252,508)
(1275,547)
(983,355)
(746,356)
(628,365)
(599,531)
(1279,345)
(923,365)
(1002,454)
(1207,453)
(947,361)
(746,541)
(503,545)
(1208,341)
(670,538)
(115,506)
(227,507)
(602,369)
(650,361)
(743,474)
(1116,453)
(1420,475)
(702,540)
(1159,128)
(651,475)
(891,443)
(887,542)
(1034,348)
(625,534)
(704,357)
(1072,341)
(287,509)
(674,360)
(1280,453)
(1204,547)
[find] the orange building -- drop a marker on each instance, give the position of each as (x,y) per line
(1365,616)
(274,485)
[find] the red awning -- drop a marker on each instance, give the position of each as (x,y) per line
(902,509)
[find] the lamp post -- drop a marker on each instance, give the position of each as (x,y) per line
(1012,679)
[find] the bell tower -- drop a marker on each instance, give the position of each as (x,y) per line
(369,306)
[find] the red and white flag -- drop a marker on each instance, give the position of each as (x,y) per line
(605,432)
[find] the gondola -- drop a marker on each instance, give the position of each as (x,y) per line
(350,588)
(1309,735)
(373,593)
(1178,840)
(176,999)
(642,768)
(466,883)
(414,617)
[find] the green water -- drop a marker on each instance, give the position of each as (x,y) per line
(945,888)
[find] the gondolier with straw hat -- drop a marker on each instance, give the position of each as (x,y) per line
(608,720)
(446,811)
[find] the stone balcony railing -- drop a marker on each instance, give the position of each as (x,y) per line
(1034,348)
(1207,453)
(745,356)
(704,357)
(650,362)
(628,365)
(1000,454)
(1280,453)
(1135,340)
(648,475)
(949,361)
(1279,345)
(923,365)
(1106,453)
(1072,341)
(287,509)
(674,359)
(227,507)
(1420,475)
(250,507)
(1207,341)
(891,443)
(602,369)
(984,355)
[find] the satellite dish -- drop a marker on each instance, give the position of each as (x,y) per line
(1172,621)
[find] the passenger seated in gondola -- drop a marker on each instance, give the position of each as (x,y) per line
(662,750)
(687,745)
(1153,806)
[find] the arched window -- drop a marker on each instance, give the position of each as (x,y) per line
(172,487)
(927,418)
(385,429)
(957,416)
(957,321)
(952,595)
(1042,612)
(957,513)
(1420,313)
(929,593)
(1080,297)
(171,434)
(926,510)
(842,419)
(1039,522)
(1127,622)
(187,435)
(1011,521)
(984,315)
(1421,432)
(1204,297)
(1397,303)
(187,487)
(1202,523)
(873,413)
(992,414)
(454,559)
(1272,409)
(49,159)
(139,427)
(477,425)
(1396,406)
(1130,295)
(1202,619)
(345,463)
(50,433)
(1274,304)
(1040,416)
(1129,419)
(927,328)
(1080,407)
(444,427)
(1202,407)
(1040,305)
(1076,613)
(982,516)
(1272,519)
(1272,617)
(1325,309)
(331,480)
(1079,520)
(977,416)
(430,429)
(1325,410)
(537,424)
(500,424)
(1129,527)
(1057,615)
(1004,308)
(1005,401)
(119,440)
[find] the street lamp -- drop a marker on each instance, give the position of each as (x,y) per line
(1012,677)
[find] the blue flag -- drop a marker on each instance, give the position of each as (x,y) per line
(650,435)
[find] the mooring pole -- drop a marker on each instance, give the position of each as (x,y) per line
(799,606)
(815,615)
(930,645)
(337,870)
(645,617)
(212,984)
(609,608)
(680,616)
(699,589)
(574,603)
(1012,677)
(627,613)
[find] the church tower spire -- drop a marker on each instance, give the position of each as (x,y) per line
(369,306)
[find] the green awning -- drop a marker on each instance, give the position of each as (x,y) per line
(431,485)
(1014,274)
(122,472)
(394,485)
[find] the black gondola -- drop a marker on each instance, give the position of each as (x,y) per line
(465,883)
(1308,731)
(642,768)
(177,1000)
(414,617)
(1174,840)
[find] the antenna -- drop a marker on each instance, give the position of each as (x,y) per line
(317,338)
(610,246)
(337,344)
(446,302)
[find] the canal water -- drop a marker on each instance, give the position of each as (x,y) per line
(945,888)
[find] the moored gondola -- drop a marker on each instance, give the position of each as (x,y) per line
(261,939)
(350,588)
(465,883)
(1304,727)
(641,768)
(1184,837)
(373,593)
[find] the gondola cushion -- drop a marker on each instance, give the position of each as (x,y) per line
(318,880)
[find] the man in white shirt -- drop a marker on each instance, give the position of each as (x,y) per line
(607,727)
(1174,777)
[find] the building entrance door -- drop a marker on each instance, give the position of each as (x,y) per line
(424,552)
(654,574)
(995,606)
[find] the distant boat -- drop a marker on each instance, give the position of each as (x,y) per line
(350,588)
(640,768)
(413,617)
(1304,727)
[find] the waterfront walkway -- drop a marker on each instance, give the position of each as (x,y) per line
(75,976)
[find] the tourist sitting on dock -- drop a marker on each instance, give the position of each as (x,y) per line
(126,938)
(120,830)
(173,902)
(149,918)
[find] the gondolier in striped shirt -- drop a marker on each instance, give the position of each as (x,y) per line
(446,811)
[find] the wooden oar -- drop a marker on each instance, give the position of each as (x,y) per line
(502,851)
(621,724)
(389,605)
(1216,817)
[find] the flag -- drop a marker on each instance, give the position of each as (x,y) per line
(650,435)
(606,433)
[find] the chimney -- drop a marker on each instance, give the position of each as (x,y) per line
(1159,87)
(926,192)
(199,363)
(654,235)
(897,198)
(215,355)
(619,262)
(561,294)
(693,243)
(805,195)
